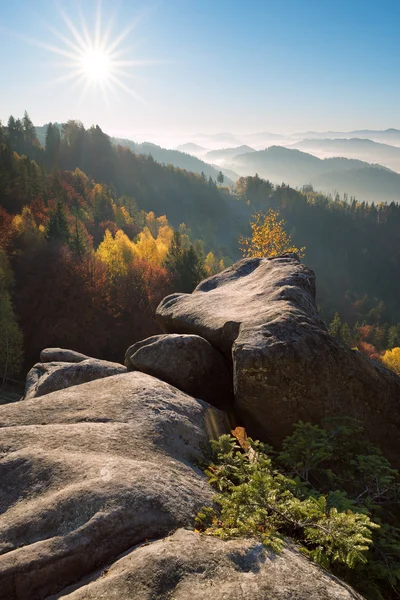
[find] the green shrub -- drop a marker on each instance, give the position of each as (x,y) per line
(329,489)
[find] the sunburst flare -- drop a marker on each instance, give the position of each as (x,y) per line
(95,59)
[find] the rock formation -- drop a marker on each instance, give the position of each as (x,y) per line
(61,355)
(189,566)
(110,467)
(92,470)
(188,362)
(47,377)
(261,313)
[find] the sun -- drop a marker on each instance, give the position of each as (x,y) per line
(96,64)
(94,57)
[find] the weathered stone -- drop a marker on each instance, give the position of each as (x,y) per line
(90,471)
(48,377)
(188,362)
(286,365)
(61,355)
(191,566)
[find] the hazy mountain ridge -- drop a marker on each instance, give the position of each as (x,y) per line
(354,168)
(369,182)
(194,149)
(228,153)
(262,140)
(360,148)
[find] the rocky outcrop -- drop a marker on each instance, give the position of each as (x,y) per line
(262,314)
(88,472)
(61,355)
(187,565)
(47,377)
(188,362)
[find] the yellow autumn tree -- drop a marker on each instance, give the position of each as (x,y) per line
(391,359)
(154,241)
(28,233)
(212,265)
(121,216)
(116,252)
(269,237)
(146,246)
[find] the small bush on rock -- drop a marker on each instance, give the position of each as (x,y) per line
(328,489)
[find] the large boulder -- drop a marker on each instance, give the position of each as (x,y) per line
(188,362)
(89,471)
(262,314)
(47,377)
(187,565)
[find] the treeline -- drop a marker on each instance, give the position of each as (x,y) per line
(214,217)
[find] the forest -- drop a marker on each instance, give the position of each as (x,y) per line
(93,236)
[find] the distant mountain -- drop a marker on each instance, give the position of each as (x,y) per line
(173,157)
(264,138)
(277,164)
(368,182)
(361,148)
(218,140)
(191,148)
(387,136)
(227,153)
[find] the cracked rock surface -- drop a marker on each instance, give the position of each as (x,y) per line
(190,566)
(89,471)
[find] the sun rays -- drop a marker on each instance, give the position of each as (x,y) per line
(93,55)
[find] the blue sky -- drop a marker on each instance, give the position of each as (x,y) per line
(211,65)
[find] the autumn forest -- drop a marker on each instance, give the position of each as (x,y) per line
(94,235)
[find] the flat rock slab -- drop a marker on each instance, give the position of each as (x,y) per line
(190,566)
(262,314)
(188,362)
(48,377)
(89,471)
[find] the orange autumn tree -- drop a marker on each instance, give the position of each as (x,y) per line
(268,237)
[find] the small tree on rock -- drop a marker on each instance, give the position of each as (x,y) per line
(268,238)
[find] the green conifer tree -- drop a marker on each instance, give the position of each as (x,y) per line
(57,229)
(335,326)
(11,341)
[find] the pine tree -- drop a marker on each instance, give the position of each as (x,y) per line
(345,334)
(11,346)
(57,229)
(52,147)
(192,270)
(393,336)
(185,265)
(30,139)
(336,326)
(79,241)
